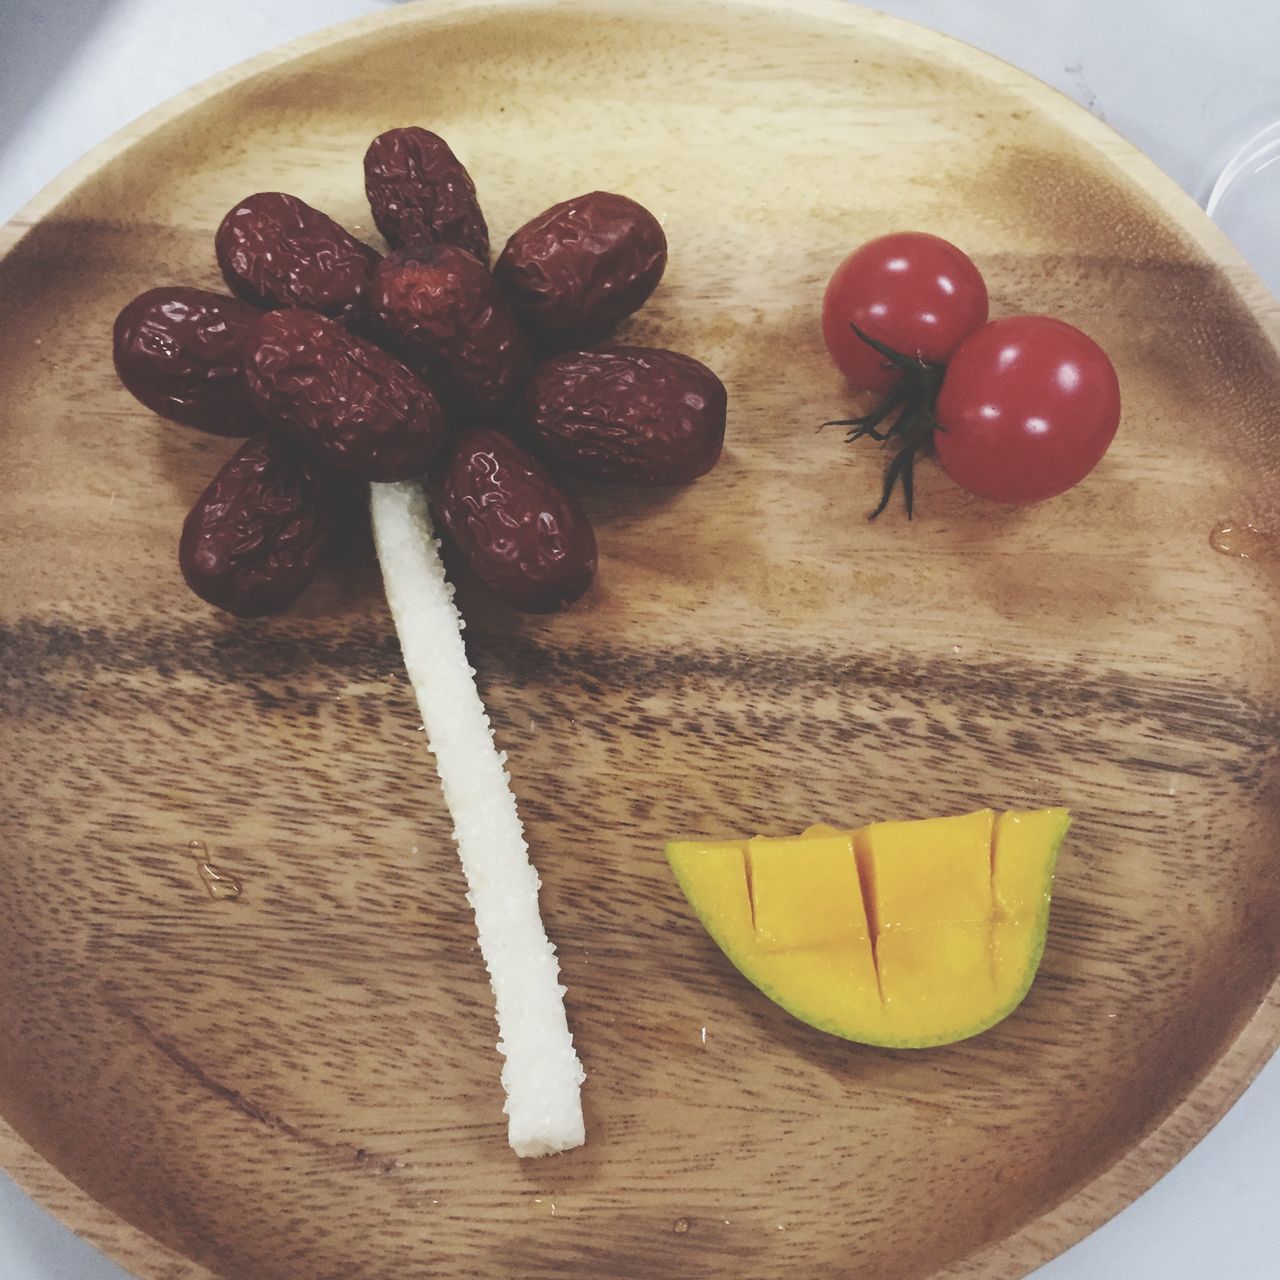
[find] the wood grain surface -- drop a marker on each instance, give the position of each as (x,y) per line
(300,1083)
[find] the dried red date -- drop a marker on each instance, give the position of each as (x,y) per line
(444,311)
(640,415)
(522,535)
(574,271)
(180,351)
(277,251)
(341,396)
(420,193)
(251,542)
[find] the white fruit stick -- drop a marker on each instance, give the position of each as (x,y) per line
(541,1074)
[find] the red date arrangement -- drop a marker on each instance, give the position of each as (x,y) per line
(341,365)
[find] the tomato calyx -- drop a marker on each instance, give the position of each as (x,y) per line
(907,408)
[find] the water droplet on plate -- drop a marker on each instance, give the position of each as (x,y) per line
(223,887)
(1238,538)
(680,1226)
(220,885)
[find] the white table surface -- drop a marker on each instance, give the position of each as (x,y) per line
(1186,80)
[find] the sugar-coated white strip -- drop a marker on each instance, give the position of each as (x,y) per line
(541,1074)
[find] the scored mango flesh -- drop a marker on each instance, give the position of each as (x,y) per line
(902,934)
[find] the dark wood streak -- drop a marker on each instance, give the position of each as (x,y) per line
(233,1097)
(39,655)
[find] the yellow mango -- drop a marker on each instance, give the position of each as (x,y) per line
(1023,856)
(1016,946)
(832,987)
(805,892)
(904,934)
(936,871)
(713,875)
(938,983)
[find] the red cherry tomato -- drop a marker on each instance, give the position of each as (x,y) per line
(1027,408)
(914,292)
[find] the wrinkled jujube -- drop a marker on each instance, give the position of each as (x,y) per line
(341,396)
(640,415)
(420,192)
(277,251)
(446,314)
(251,542)
(574,271)
(180,351)
(518,531)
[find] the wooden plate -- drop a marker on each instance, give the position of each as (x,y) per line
(302,1082)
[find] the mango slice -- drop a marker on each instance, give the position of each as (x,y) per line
(900,934)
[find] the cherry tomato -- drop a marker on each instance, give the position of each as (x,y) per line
(1028,406)
(915,292)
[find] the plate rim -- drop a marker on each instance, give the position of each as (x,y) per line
(1207,1099)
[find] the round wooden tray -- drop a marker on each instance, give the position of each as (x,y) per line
(302,1083)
